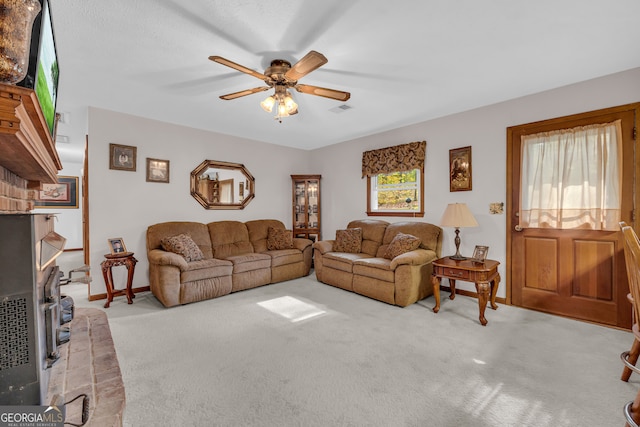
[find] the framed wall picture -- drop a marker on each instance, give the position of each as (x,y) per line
(116,245)
(480,253)
(460,169)
(122,157)
(63,195)
(157,170)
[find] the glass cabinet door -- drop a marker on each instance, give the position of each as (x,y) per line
(306,206)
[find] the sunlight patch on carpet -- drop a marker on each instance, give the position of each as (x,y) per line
(291,308)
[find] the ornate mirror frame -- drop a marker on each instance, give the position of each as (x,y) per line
(207,177)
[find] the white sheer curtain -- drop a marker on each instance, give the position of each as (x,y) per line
(571,178)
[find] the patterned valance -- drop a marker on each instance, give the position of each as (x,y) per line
(398,158)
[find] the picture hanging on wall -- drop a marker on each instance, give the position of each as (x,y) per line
(122,157)
(460,169)
(157,170)
(63,194)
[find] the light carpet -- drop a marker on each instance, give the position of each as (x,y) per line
(327,357)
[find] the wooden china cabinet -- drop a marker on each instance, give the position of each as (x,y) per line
(306,206)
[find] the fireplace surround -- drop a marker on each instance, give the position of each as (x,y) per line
(32,312)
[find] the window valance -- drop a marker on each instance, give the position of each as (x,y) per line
(398,158)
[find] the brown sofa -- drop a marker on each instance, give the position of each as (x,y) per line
(401,281)
(235,257)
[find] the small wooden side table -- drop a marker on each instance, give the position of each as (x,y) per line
(484,274)
(114,260)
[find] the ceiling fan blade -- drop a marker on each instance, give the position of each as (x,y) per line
(246,92)
(307,64)
(321,91)
(242,68)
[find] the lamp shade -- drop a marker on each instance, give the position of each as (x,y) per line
(458,215)
(267,104)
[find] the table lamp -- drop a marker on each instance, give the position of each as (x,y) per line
(458,215)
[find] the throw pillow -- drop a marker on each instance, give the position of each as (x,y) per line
(182,244)
(401,243)
(349,240)
(279,238)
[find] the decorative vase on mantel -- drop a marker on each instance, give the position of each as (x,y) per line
(16,24)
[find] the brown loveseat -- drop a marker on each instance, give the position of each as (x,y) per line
(401,281)
(234,257)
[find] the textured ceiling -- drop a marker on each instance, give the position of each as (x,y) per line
(403,61)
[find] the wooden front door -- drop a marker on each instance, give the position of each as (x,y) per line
(575,273)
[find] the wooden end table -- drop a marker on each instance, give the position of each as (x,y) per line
(484,274)
(114,260)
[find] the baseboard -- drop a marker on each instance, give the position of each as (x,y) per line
(499,300)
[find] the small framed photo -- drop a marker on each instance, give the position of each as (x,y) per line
(480,253)
(116,245)
(62,195)
(122,157)
(157,170)
(460,169)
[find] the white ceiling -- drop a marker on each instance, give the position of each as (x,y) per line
(403,61)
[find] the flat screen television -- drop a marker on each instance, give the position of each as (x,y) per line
(42,73)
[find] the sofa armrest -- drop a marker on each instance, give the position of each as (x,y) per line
(324,246)
(160,257)
(301,243)
(415,257)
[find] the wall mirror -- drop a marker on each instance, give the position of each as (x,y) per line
(222,185)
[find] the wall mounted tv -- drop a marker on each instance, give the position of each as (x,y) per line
(42,73)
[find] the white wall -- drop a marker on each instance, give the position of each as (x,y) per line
(123,204)
(344,191)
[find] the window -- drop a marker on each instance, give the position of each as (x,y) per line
(394,180)
(395,194)
(572,178)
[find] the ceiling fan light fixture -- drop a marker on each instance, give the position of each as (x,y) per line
(268,103)
(290,104)
(281,76)
(282,111)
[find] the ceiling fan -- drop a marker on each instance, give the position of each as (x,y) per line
(282,76)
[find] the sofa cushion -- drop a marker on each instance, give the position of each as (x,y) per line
(401,243)
(430,235)
(373,231)
(349,240)
(198,232)
(182,244)
(285,256)
(342,260)
(249,262)
(376,268)
(229,238)
(206,269)
(259,231)
(278,238)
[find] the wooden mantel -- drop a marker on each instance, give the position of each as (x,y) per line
(26,146)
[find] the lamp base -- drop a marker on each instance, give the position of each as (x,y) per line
(458,257)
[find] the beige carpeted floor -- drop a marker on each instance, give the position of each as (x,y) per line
(326,357)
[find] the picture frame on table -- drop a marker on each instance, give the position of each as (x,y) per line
(460,177)
(122,157)
(480,253)
(157,170)
(62,195)
(116,246)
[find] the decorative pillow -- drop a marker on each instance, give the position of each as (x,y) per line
(401,244)
(278,238)
(349,240)
(182,244)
